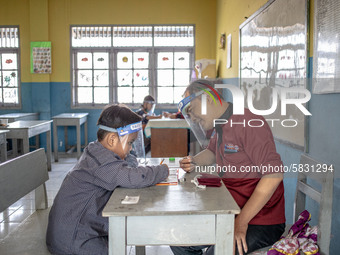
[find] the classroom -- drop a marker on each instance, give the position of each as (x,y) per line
(254,79)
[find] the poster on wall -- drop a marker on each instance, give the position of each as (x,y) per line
(41,57)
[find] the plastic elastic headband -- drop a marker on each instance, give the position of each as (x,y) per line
(132,128)
(186,101)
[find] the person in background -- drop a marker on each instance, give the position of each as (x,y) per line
(147,113)
(76,225)
(147,110)
(173,115)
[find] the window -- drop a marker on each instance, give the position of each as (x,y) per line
(123,64)
(9,63)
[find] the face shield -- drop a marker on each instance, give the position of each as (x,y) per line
(191,108)
(151,105)
(130,137)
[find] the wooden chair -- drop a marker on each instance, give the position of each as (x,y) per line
(315,170)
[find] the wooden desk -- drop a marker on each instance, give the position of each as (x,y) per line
(3,145)
(20,116)
(12,117)
(69,119)
(24,129)
(169,137)
(172,215)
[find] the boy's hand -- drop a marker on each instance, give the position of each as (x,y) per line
(187,164)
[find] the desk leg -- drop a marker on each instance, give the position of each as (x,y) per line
(117,236)
(85,134)
(4,151)
(224,234)
(48,149)
(55,141)
(26,145)
(140,250)
(78,141)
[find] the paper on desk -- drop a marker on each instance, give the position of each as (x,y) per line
(175,173)
(129,200)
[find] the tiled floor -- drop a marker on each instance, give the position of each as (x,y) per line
(19,211)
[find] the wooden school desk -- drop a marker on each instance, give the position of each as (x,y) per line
(25,129)
(172,215)
(3,145)
(169,137)
(69,119)
(20,116)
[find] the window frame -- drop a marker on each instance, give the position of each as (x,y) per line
(16,50)
(113,50)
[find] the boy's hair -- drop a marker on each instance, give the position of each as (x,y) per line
(148,98)
(198,85)
(115,116)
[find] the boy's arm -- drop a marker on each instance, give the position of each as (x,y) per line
(132,160)
(120,173)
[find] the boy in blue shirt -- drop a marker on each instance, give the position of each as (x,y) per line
(76,225)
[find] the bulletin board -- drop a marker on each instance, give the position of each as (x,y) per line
(273,54)
(326,57)
(41,61)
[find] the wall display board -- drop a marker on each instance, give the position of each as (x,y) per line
(326,56)
(273,62)
(41,57)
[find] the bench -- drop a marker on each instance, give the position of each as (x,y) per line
(18,177)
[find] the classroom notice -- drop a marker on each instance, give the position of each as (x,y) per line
(41,57)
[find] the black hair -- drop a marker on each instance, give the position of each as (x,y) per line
(198,85)
(148,98)
(115,116)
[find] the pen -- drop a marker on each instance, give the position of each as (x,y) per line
(162,161)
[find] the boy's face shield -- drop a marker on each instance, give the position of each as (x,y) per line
(130,137)
(150,107)
(190,107)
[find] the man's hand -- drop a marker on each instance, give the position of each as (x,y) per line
(187,164)
(240,236)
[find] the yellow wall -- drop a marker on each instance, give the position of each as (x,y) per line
(49,20)
(230,15)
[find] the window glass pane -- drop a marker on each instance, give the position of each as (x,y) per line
(124,77)
(10,79)
(125,95)
(84,78)
(91,36)
(84,60)
(11,95)
(101,78)
(178,94)
(182,77)
(127,36)
(84,95)
(165,95)
(165,77)
(101,95)
(141,60)
(124,60)
(165,60)
(101,60)
(9,61)
(182,60)
(141,77)
(139,93)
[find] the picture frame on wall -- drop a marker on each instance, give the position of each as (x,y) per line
(41,57)
(222,41)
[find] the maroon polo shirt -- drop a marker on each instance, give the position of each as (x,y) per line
(241,149)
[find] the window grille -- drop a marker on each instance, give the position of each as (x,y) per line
(9,67)
(139,60)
